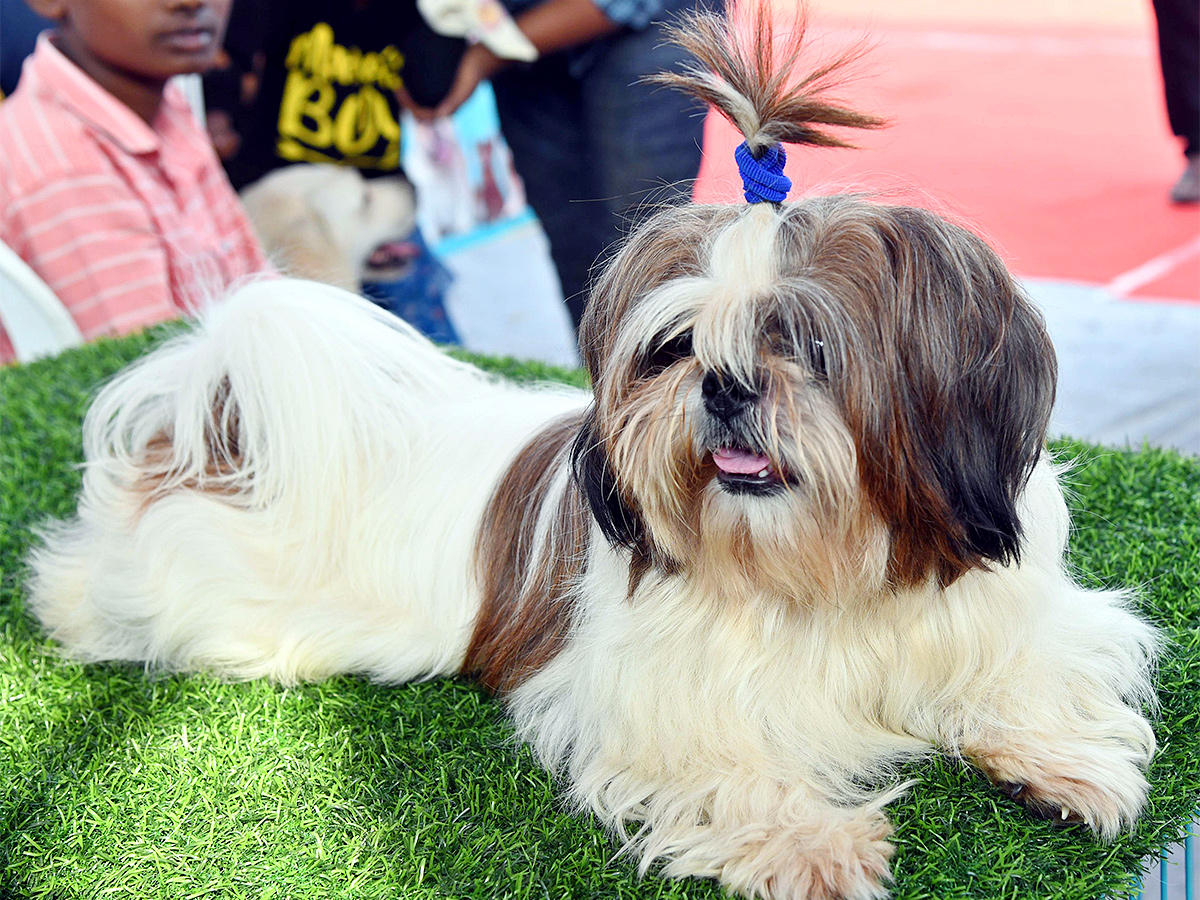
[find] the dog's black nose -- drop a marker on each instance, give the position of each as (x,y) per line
(725,396)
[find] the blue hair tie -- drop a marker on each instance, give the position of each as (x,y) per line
(763,178)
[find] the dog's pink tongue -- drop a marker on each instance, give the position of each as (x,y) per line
(740,462)
(394,252)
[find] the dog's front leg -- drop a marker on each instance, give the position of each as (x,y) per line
(831,853)
(765,840)
(1071,777)
(1075,769)
(1049,708)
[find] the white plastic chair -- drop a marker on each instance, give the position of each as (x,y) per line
(36,321)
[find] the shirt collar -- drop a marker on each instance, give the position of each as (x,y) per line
(64,83)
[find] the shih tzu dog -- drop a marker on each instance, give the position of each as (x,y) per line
(805,529)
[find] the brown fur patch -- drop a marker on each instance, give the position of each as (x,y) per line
(222,455)
(746,74)
(951,415)
(527,572)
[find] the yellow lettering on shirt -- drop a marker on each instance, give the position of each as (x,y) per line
(335,102)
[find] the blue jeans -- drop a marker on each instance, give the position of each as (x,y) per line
(419,295)
(594,146)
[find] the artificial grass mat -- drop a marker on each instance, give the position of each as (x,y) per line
(119,783)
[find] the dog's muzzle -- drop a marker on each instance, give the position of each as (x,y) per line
(742,468)
(725,397)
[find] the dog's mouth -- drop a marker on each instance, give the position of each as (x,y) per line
(741,470)
(392,256)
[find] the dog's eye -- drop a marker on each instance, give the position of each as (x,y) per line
(778,345)
(816,357)
(667,354)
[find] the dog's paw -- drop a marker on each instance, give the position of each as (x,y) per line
(1106,794)
(847,857)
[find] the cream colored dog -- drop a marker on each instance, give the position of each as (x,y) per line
(331,224)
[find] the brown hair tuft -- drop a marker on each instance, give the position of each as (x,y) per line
(748,76)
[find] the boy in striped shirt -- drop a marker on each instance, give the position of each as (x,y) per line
(109,189)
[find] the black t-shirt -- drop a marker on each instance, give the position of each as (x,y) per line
(326,72)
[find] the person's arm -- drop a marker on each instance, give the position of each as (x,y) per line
(94,244)
(246,253)
(562,24)
(242,252)
(550,26)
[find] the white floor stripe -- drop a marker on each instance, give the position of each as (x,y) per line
(1153,269)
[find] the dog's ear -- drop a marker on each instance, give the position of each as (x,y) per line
(618,521)
(970,380)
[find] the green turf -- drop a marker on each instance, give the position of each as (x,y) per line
(115,783)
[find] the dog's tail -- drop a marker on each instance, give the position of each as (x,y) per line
(284,386)
(748,75)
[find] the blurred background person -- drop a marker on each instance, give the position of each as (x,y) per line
(109,188)
(1179,54)
(592,143)
(315,80)
(313,83)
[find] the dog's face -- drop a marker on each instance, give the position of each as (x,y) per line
(366,217)
(331,224)
(827,399)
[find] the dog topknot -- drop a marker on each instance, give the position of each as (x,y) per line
(746,74)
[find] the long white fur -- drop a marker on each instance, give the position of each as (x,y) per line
(367,458)
(733,736)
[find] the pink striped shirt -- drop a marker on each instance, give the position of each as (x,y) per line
(128,224)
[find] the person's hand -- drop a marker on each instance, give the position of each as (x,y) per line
(551,26)
(420,113)
(478,64)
